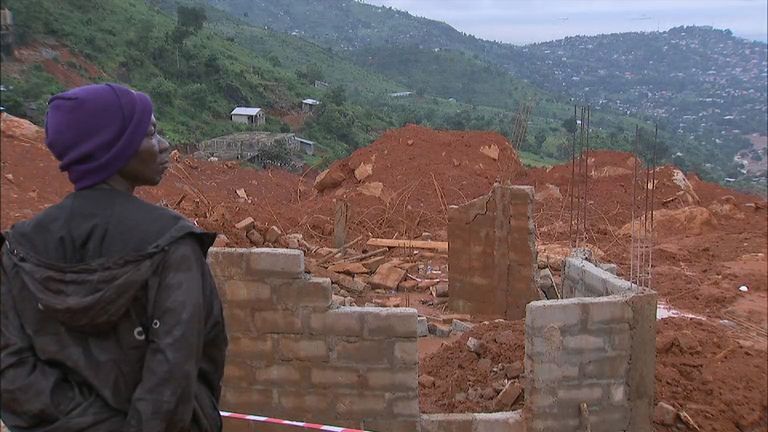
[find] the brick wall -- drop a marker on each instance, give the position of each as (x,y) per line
(598,350)
(492,240)
(293,357)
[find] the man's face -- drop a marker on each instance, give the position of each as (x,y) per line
(148,165)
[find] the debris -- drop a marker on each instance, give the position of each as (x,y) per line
(426,381)
(489,393)
(609,267)
(547,284)
(241,193)
(337,300)
(492,151)
(373,264)
(427,283)
(387,277)
(687,342)
(584,412)
(373,189)
(175,156)
(329,179)
(255,238)
(461,326)
(476,346)
(484,366)
(460,397)
(348,283)
(363,171)
(9,177)
(272,234)
(348,268)
(221,241)
(743,288)
(246,224)
(508,396)
(421,327)
(513,370)
(409,244)
(407,285)
(388,302)
(688,421)
(439,330)
(439,290)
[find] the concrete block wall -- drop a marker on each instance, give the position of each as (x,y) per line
(581,278)
(291,356)
(492,240)
(511,421)
(598,350)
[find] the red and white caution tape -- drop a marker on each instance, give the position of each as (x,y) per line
(304,425)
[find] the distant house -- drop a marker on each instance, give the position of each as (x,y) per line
(321,84)
(308,105)
(306,145)
(401,94)
(248,115)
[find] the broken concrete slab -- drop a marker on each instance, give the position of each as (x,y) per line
(273,233)
(348,268)
(476,346)
(255,238)
(387,277)
(245,224)
(508,396)
(461,326)
(664,414)
(363,171)
(439,330)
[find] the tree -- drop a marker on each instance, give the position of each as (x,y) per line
(539,140)
(336,95)
(311,73)
(570,125)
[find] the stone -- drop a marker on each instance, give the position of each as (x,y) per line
(514,370)
(363,171)
(426,381)
(547,284)
(476,346)
(292,243)
(583,253)
(329,179)
(349,302)
(387,277)
(664,414)
(421,327)
(348,268)
(246,224)
(255,238)
(687,342)
(221,241)
(492,151)
(439,330)
(484,366)
(337,300)
(273,233)
(508,396)
(348,283)
(461,326)
(426,236)
(489,393)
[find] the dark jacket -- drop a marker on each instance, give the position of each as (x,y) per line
(110,320)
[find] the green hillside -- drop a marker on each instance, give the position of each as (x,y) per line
(194,74)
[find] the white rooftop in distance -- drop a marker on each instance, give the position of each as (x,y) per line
(245,111)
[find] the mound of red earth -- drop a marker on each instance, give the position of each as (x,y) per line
(404,181)
(714,376)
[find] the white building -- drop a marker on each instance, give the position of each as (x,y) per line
(248,115)
(307,105)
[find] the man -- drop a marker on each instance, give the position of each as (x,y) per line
(110,316)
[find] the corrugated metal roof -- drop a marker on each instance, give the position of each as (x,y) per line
(245,111)
(311,102)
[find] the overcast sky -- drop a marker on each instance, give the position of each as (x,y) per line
(526,21)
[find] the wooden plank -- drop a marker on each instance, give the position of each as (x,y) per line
(340,224)
(409,244)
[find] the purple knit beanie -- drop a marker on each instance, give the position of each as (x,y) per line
(95,130)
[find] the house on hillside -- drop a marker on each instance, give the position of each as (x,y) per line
(321,84)
(307,146)
(248,115)
(309,105)
(401,94)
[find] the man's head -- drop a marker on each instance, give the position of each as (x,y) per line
(102,131)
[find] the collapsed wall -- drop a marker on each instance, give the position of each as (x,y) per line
(590,358)
(291,356)
(492,240)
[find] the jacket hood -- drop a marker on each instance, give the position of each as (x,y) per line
(91,297)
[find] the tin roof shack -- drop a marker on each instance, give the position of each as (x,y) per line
(248,115)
